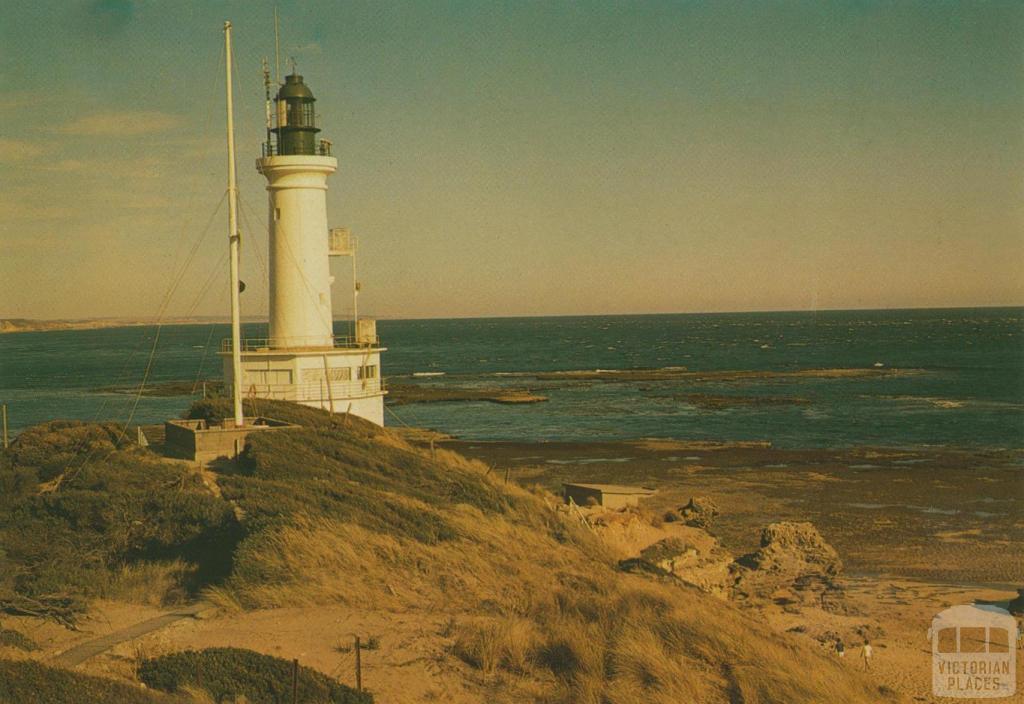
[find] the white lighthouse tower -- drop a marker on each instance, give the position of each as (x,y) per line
(302,360)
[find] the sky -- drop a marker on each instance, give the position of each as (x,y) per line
(524,158)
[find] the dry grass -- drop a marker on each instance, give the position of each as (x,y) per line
(509,642)
(149,583)
(224,599)
(197,695)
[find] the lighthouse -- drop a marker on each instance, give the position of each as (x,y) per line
(301,359)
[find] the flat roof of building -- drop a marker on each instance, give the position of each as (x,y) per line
(611,488)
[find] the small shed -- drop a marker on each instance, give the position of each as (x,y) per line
(607,495)
(201,441)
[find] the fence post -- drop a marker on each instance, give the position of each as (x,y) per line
(7,442)
(507,469)
(359,667)
(295,681)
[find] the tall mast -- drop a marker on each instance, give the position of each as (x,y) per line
(277,49)
(234,237)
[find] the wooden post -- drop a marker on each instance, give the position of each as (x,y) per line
(359,667)
(7,441)
(507,470)
(204,390)
(433,453)
(295,681)
(327,380)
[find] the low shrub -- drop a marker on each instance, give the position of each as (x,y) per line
(15,639)
(52,446)
(230,672)
(28,682)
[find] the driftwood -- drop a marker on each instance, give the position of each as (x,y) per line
(59,608)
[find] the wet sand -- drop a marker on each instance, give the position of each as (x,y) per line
(933,514)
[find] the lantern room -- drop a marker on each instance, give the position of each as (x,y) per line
(296,121)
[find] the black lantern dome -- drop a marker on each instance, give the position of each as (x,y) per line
(296,119)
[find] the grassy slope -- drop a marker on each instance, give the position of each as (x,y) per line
(343,511)
(83,514)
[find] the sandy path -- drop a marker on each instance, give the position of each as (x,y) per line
(83,651)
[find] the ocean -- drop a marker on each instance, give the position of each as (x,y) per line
(967,390)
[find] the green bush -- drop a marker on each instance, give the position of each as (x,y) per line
(28,682)
(51,446)
(229,672)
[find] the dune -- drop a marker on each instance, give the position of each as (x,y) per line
(343,526)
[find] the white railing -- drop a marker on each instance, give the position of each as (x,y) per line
(317,391)
(265,344)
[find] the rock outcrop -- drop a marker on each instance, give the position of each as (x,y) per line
(700,512)
(689,554)
(794,565)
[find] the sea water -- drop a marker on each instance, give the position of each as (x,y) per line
(967,387)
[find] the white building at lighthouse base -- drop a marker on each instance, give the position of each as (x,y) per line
(343,378)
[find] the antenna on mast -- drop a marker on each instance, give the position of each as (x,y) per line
(277,49)
(266,88)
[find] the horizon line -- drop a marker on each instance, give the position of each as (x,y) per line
(214,319)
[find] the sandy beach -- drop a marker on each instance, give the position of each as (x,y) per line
(917,530)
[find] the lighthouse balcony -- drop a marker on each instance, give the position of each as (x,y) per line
(323,147)
(266,344)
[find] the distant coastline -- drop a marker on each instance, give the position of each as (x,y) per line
(12,325)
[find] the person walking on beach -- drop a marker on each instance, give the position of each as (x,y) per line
(840,649)
(865,654)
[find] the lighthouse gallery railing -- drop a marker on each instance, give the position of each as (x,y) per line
(267,344)
(317,390)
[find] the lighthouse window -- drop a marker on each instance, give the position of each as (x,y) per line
(300,114)
(277,213)
(313,376)
(368,372)
(268,377)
